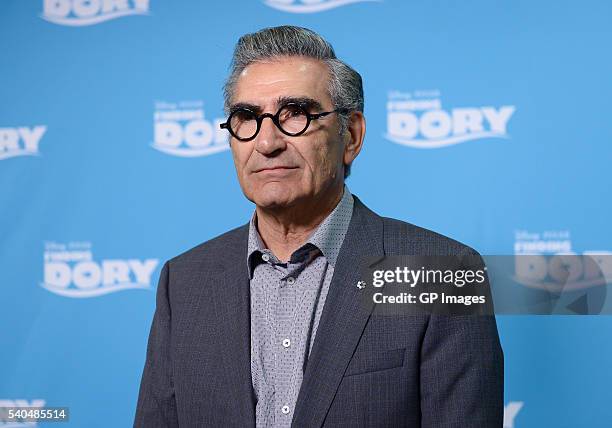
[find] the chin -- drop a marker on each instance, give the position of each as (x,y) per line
(273,202)
(279,196)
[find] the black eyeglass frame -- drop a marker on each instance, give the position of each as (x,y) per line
(275,119)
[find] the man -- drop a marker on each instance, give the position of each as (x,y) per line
(264,325)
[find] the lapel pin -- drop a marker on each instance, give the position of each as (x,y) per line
(361,285)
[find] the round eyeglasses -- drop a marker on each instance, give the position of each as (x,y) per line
(292,119)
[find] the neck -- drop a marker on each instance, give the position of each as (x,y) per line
(285,230)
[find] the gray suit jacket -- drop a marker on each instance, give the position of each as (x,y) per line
(364,370)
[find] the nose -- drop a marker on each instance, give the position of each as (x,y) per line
(270,139)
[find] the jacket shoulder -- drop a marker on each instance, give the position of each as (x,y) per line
(406,238)
(215,249)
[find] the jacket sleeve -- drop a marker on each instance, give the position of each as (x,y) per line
(156,400)
(462,371)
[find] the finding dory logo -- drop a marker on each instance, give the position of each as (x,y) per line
(77,13)
(309,6)
(418,120)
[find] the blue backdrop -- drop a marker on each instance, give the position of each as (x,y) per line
(486,121)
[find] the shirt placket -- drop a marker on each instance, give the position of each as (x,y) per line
(284,344)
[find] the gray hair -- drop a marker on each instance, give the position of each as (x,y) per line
(345,85)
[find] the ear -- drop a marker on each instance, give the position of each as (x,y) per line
(354,137)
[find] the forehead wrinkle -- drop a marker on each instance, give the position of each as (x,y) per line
(304,65)
(273,82)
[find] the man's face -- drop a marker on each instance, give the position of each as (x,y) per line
(276,170)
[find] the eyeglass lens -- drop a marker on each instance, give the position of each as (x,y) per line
(293,119)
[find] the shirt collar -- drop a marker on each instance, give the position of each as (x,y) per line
(327,237)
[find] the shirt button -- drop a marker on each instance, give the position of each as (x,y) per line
(265,257)
(290,280)
(286,343)
(285,409)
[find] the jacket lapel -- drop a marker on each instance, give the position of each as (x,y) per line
(233,309)
(342,321)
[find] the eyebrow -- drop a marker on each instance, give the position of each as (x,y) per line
(306,102)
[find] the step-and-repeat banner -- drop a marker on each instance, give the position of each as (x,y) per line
(487,121)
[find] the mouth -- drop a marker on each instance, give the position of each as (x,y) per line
(276,168)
